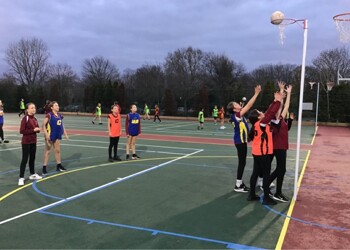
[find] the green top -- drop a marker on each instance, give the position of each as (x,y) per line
(146,111)
(21,105)
(98,110)
(215,112)
(201,116)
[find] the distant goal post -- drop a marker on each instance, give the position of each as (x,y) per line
(340,78)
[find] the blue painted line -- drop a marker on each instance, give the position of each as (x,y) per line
(45,194)
(307,222)
(230,245)
(302,221)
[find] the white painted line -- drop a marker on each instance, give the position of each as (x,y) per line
(98,188)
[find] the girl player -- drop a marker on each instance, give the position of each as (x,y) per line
(133,129)
(262,148)
(114,132)
(29,129)
(53,128)
(240,137)
(280,144)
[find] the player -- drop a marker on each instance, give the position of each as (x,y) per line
(54,129)
(240,136)
(29,129)
(114,132)
(133,129)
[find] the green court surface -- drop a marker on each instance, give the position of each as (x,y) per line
(179,195)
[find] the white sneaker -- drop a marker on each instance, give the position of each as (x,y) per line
(35,177)
(21,182)
(222,127)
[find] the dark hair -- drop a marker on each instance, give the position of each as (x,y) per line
(253,118)
(230,107)
(52,103)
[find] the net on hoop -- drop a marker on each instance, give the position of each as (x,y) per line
(342,22)
(330,85)
(312,84)
(282,26)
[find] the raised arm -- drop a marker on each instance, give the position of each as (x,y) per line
(250,104)
(286,105)
(281,86)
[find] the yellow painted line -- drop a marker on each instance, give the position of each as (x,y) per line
(291,207)
(313,138)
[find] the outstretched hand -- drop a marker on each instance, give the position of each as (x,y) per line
(257,89)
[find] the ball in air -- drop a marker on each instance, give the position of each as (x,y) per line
(277,17)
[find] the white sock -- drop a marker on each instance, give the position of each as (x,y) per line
(239,183)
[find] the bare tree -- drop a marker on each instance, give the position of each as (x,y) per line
(99,70)
(223,73)
(28,59)
(62,83)
(330,61)
(184,70)
(149,83)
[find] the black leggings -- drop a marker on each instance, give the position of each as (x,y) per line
(281,158)
(262,164)
(242,157)
(113,143)
(1,132)
(155,117)
(28,151)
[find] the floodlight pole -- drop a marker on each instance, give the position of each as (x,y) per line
(300,112)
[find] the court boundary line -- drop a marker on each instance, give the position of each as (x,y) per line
(93,189)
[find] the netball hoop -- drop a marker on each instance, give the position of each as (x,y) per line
(342,22)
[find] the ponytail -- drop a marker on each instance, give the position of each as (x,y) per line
(253,118)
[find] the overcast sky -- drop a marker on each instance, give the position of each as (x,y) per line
(131,33)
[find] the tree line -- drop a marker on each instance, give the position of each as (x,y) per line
(188,80)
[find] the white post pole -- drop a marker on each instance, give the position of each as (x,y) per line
(300,112)
(318,96)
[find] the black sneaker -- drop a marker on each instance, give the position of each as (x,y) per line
(135,157)
(253,198)
(127,157)
(110,160)
(93,122)
(117,158)
(60,168)
(280,197)
(269,201)
(242,188)
(44,170)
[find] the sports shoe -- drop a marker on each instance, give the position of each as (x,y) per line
(110,160)
(21,182)
(242,188)
(117,158)
(60,168)
(253,198)
(268,201)
(44,171)
(127,157)
(280,197)
(93,122)
(135,157)
(100,123)
(35,177)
